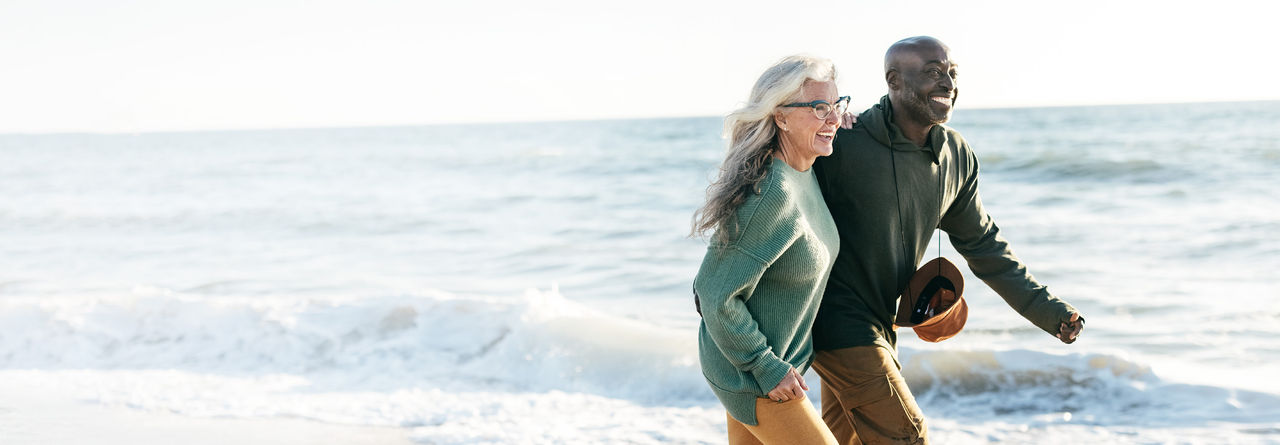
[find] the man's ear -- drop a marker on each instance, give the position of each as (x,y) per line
(894,79)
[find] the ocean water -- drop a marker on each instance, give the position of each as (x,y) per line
(528,283)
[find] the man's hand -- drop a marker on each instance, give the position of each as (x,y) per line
(791,387)
(847,119)
(1070,329)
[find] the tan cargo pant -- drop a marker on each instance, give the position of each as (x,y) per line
(791,422)
(865,399)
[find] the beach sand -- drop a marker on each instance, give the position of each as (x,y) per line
(49,415)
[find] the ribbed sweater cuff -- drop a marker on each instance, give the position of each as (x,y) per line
(770,374)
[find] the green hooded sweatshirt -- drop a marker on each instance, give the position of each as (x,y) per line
(886,198)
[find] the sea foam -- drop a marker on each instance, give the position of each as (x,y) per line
(542,342)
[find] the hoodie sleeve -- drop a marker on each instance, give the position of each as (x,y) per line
(975,236)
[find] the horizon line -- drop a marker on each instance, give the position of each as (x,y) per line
(548,121)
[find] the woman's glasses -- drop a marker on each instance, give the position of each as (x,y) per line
(822,108)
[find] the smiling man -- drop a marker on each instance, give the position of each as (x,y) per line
(894,177)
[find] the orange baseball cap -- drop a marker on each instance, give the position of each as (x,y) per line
(933,302)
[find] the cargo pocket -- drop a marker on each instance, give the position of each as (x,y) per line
(879,414)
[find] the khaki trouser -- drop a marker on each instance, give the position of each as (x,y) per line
(791,422)
(865,399)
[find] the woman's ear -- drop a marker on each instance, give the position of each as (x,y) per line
(780,120)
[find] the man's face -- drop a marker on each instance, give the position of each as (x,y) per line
(928,85)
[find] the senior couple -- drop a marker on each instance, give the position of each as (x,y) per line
(817,230)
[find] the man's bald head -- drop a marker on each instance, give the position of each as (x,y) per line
(910,49)
(922,81)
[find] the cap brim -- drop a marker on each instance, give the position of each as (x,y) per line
(939,266)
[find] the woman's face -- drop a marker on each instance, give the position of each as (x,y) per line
(801,129)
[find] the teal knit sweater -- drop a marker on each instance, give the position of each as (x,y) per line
(760,292)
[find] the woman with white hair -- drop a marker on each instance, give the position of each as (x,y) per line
(774,243)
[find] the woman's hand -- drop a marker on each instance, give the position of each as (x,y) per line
(791,387)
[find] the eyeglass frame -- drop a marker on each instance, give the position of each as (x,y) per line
(813,105)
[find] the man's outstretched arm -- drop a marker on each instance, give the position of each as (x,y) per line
(975,236)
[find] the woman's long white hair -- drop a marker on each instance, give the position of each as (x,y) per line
(753,137)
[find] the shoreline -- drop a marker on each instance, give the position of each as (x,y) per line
(44,415)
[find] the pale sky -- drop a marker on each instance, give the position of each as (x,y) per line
(131,66)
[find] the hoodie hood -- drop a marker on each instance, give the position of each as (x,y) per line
(878,121)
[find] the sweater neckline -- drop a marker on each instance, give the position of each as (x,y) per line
(788,168)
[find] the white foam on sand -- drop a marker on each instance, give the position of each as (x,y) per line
(39,408)
(439,368)
(147,406)
(537,368)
